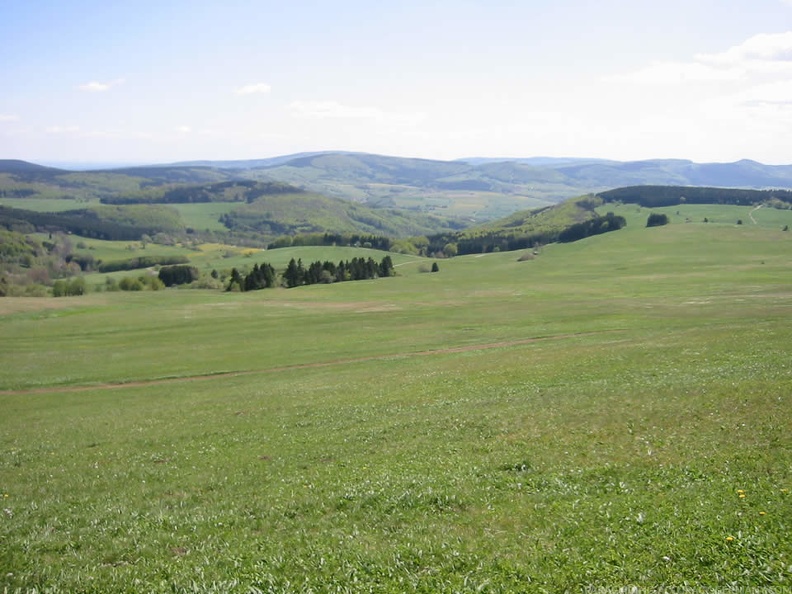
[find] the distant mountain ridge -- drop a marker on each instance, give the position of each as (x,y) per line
(609,173)
(475,189)
(549,178)
(16,166)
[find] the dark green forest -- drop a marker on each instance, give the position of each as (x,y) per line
(111,223)
(657,196)
(227,191)
(505,240)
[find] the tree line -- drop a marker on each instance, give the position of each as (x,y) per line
(227,191)
(656,196)
(108,224)
(377,242)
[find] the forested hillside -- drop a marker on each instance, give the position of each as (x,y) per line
(656,196)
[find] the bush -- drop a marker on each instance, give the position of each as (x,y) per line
(178,275)
(657,220)
(140,283)
(64,288)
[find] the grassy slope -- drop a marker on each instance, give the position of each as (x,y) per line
(406,434)
(716,214)
(556,218)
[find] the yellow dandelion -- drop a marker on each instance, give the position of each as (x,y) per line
(761,513)
(740,491)
(729,538)
(741,495)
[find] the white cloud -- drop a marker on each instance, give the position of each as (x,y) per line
(763,54)
(669,73)
(761,47)
(256,88)
(322,110)
(100,87)
(62,129)
(184,129)
(331,109)
(8,117)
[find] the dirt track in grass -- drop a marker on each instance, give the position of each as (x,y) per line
(319,364)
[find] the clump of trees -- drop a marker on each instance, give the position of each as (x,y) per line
(595,226)
(143,282)
(29,266)
(377,242)
(327,272)
(69,288)
(657,219)
(178,275)
(263,276)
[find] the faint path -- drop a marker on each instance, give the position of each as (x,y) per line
(750,214)
(338,362)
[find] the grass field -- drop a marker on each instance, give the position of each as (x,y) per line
(614,413)
(205,216)
(715,214)
(48,204)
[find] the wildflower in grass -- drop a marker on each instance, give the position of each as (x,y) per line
(729,539)
(761,513)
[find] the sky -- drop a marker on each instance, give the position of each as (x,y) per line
(159,81)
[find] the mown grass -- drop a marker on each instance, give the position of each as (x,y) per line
(613,413)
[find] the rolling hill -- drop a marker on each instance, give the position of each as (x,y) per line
(380,179)
(473,190)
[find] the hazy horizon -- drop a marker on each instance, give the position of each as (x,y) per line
(107,165)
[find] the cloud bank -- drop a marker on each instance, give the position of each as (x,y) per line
(99,87)
(253,89)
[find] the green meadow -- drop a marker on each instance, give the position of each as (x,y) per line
(47,204)
(612,414)
(714,214)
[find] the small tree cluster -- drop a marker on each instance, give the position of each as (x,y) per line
(595,226)
(376,242)
(261,277)
(327,272)
(657,219)
(69,288)
(139,283)
(178,275)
